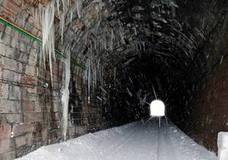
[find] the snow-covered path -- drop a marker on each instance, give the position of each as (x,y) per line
(135,141)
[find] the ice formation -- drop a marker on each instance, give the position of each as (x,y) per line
(47,15)
(223,146)
(65,94)
(94,47)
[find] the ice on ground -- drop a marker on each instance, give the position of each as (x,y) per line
(134,141)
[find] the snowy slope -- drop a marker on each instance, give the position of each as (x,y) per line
(135,141)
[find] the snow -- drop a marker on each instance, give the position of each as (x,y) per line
(157,108)
(134,141)
(223,146)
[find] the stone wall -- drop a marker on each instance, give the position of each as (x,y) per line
(29,110)
(86,114)
(209,110)
(30,105)
(206,113)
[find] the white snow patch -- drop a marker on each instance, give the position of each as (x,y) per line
(135,141)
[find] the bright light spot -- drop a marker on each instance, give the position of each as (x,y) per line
(157,108)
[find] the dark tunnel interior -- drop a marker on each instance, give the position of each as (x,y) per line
(169,49)
(116,57)
(73,67)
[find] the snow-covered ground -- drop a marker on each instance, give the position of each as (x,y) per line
(135,141)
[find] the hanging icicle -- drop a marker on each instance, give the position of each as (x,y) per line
(66,94)
(48,34)
(79,8)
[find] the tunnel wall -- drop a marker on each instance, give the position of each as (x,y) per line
(209,109)
(30,110)
(206,113)
(210,114)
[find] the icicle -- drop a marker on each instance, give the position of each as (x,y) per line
(130,80)
(89,78)
(99,98)
(65,94)
(221,60)
(48,34)
(62,23)
(115,74)
(103,89)
(129,92)
(71,15)
(79,8)
(129,61)
(64,6)
(58,5)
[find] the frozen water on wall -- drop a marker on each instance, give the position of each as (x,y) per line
(48,34)
(65,93)
(100,45)
(223,146)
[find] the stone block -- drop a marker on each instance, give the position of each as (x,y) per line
(11,76)
(9,52)
(28,80)
(23,57)
(21,129)
(38,107)
(14,118)
(6,145)
(12,7)
(8,155)
(32,61)
(4,89)
(23,140)
(10,106)
(5,131)
(33,117)
(2,48)
(14,92)
(11,64)
(28,106)
(31,70)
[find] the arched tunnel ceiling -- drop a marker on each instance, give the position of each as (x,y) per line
(123,29)
(135,49)
(145,45)
(132,48)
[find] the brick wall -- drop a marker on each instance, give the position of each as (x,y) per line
(84,115)
(211,112)
(30,110)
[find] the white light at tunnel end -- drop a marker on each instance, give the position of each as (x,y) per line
(157,108)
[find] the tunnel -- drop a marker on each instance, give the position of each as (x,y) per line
(74,67)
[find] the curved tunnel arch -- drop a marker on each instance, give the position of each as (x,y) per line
(123,53)
(166,45)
